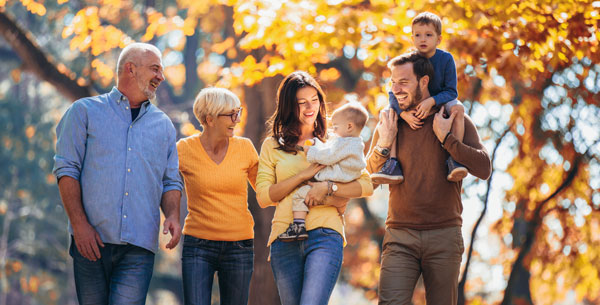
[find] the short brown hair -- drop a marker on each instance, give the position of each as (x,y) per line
(421,65)
(355,113)
(429,18)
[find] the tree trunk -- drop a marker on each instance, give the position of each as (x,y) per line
(260,101)
(517,291)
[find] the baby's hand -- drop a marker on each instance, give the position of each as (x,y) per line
(410,118)
(424,107)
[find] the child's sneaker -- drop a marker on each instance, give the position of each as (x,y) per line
(390,173)
(456,171)
(291,233)
(301,231)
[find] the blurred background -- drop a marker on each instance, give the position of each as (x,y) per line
(528,74)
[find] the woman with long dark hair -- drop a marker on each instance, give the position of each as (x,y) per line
(305,270)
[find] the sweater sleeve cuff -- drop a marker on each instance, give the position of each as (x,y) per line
(449,144)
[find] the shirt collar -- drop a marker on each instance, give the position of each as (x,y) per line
(119,97)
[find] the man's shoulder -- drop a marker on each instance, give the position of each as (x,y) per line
(92,101)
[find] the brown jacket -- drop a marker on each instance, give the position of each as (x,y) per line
(426,199)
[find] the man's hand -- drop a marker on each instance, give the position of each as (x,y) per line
(387,128)
(317,193)
(87,241)
(172,225)
(424,107)
(441,125)
(410,118)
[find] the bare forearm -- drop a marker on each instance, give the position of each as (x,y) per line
(279,190)
(349,190)
(70,193)
(170,203)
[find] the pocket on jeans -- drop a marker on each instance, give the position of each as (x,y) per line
(191,241)
(330,232)
(247,244)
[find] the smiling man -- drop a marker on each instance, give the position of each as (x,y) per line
(423,227)
(116,165)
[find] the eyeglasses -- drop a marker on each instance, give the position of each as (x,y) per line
(234,116)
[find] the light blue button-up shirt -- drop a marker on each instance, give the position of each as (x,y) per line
(123,166)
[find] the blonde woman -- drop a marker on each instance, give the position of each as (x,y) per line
(219,229)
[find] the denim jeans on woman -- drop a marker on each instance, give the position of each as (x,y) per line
(306,271)
(232,260)
(121,276)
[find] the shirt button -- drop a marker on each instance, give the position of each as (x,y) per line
(129,148)
(129,170)
(130,126)
(124,216)
(126,194)
(126,107)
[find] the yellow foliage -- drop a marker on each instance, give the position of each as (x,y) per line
(176,76)
(29,131)
(220,48)
(15,74)
(329,75)
(104,71)
(188,129)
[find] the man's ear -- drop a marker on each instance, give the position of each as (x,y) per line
(424,82)
(129,67)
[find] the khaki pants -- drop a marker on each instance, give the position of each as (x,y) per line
(436,254)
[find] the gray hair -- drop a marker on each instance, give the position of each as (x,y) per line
(213,101)
(132,53)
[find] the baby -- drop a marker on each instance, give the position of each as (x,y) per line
(343,156)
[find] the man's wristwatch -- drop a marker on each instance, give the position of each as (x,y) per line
(331,188)
(384,151)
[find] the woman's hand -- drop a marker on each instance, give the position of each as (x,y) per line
(317,193)
(310,171)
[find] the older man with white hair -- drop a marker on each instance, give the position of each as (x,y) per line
(116,164)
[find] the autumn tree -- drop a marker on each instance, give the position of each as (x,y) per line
(528,72)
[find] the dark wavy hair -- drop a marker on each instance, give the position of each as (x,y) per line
(284,124)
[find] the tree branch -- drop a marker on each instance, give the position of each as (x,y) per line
(519,275)
(463,280)
(37,62)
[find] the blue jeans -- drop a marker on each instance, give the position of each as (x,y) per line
(306,271)
(232,260)
(121,276)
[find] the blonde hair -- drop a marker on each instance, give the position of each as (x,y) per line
(213,101)
(354,112)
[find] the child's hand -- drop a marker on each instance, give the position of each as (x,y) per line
(424,107)
(410,118)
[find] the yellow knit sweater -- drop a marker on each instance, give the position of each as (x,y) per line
(276,165)
(217,193)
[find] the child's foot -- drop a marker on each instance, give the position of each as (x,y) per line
(291,233)
(301,231)
(390,173)
(456,171)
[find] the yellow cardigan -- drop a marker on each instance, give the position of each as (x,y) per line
(217,194)
(276,165)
